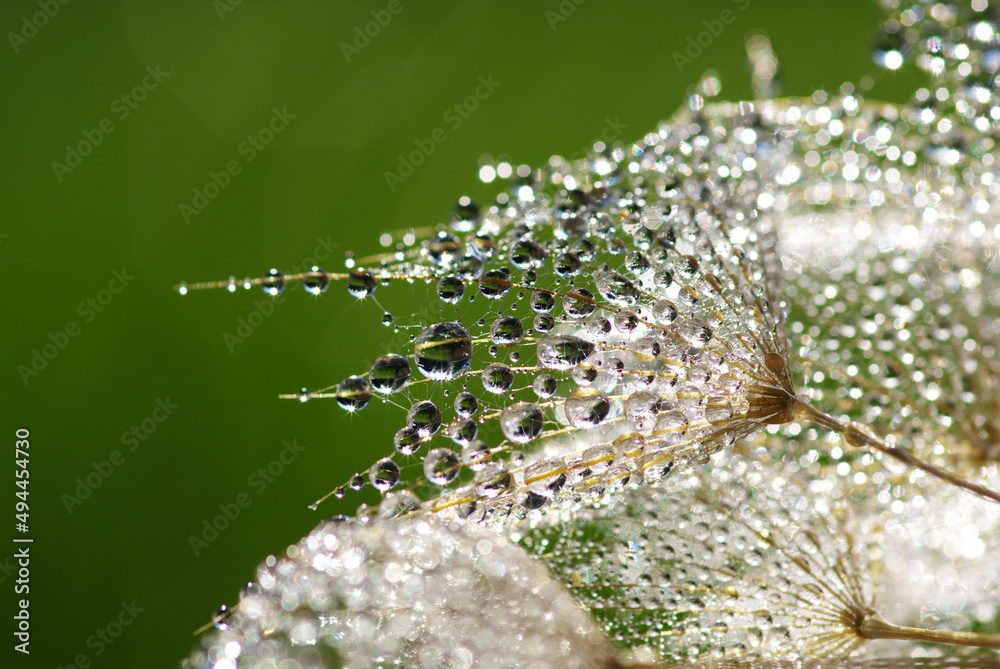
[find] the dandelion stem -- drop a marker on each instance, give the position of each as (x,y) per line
(859,435)
(876,627)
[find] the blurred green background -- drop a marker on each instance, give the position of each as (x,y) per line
(319,182)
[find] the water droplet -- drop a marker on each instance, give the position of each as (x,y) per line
(466,404)
(221,617)
(630,444)
(353,393)
(587,412)
(579,303)
(482,245)
(664,312)
(463,432)
(522,422)
(357,482)
(442,351)
(598,459)
(469,267)
(398,504)
(387,319)
(360,283)
(695,332)
(384,474)
(544,386)
(441,466)
(642,408)
(891,49)
(494,284)
(662,279)
(599,327)
(532,500)
(315,281)
(584,376)
(570,226)
(718,410)
(527,253)
(779,634)
(506,331)
(496,481)
(407,440)
(698,374)
(626,322)
(542,302)
(563,351)
(497,378)
(273,282)
(647,348)
(464,215)
(655,469)
(567,264)
(425,417)
(389,373)
(687,266)
(671,424)
(476,455)
(545,478)
(584,248)
(466,511)
(543,323)
(616,289)
(636,262)
(451,289)
(443,249)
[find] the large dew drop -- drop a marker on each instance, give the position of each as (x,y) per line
(464,215)
(695,332)
(316,281)
(617,289)
(466,404)
(494,284)
(443,351)
(424,417)
(546,478)
(497,378)
(407,440)
(579,303)
(384,474)
(353,393)
(506,331)
(450,289)
(273,282)
(389,373)
(360,283)
(563,351)
(441,466)
(587,412)
(522,422)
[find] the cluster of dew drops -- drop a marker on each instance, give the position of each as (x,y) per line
(654,310)
(642,276)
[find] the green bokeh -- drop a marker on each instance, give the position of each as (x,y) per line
(322,176)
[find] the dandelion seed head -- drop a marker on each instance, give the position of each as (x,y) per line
(603,362)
